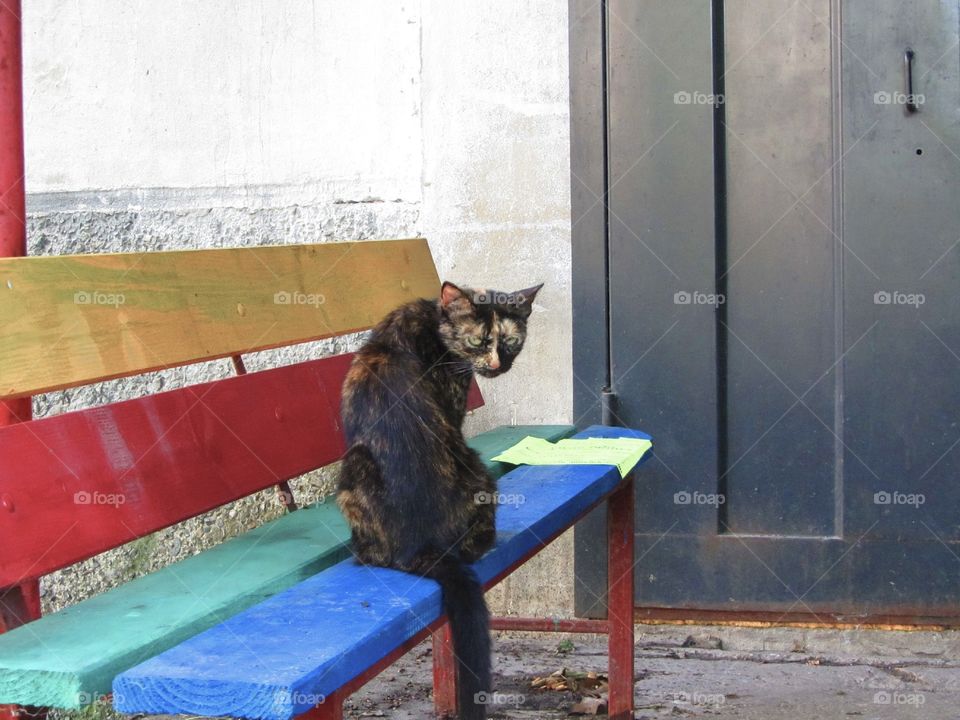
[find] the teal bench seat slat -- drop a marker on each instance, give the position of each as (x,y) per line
(69,658)
(493,442)
(282,656)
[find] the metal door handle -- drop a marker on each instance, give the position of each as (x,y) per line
(908,56)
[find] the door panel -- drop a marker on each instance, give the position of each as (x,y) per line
(779,274)
(647,262)
(806,432)
(902,223)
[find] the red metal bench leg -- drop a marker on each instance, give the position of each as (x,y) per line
(31,597)
(444,673)
(620,539)
(330,709)
(18,605)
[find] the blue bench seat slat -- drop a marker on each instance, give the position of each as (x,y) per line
(279,658)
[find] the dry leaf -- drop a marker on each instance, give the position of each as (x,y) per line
(588,683)
(590,706)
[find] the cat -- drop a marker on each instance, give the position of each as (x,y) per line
(416,496)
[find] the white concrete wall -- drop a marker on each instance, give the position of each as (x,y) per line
(186,94)
(237,122)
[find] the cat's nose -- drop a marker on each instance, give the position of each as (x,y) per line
(494,363)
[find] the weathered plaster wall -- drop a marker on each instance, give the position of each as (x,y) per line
(224,93)
(497,208)
(242,122)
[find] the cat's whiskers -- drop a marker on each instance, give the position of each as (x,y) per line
(457,367)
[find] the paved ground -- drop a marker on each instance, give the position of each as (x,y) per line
(693,682)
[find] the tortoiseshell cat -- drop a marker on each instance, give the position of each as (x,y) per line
(409,484)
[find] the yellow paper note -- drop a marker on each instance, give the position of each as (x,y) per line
(625,453)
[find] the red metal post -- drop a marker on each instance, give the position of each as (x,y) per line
(13,230)
(12,202)
(620,539)
(444,673)
(22,603)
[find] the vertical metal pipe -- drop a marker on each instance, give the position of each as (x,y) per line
(720,240)
(608,391)
(22,602)
(13,230)
(608,408)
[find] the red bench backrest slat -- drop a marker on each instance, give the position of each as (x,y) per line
(81,483)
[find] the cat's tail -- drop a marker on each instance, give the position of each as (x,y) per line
(469,619)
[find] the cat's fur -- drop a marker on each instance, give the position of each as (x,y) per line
(416,496)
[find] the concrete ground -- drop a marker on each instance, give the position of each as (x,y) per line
(715,673)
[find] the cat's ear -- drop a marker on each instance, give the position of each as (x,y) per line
(523,299)
(450,293)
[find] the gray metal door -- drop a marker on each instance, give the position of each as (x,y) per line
(766,229)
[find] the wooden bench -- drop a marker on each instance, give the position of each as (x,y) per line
(276,622)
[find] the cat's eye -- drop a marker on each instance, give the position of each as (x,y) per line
(512,340)
(474,341)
